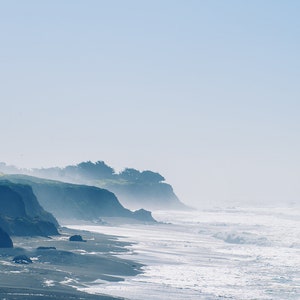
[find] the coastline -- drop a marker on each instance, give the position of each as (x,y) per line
(13,293)
(237,253)
(60,273)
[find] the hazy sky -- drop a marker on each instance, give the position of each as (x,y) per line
(204,92)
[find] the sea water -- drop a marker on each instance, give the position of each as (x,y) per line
(232,253)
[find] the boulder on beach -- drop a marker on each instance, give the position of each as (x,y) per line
(22,259)
(45,248)
(76,238)
(5,240)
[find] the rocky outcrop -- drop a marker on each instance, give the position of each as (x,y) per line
(45,248)
(76,238)
(22,259)
(143,215)
(21,214)
(5,240)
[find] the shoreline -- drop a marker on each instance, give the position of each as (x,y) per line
(61,273)
(13,293)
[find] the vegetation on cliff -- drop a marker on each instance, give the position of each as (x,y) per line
(73,201)
(135,189)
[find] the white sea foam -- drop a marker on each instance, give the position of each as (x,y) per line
(48,282)
(213,254)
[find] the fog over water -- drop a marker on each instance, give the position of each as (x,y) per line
(205,92)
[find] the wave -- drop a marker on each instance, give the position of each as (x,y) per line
(234,254)
(242,238)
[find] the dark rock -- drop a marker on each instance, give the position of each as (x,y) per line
(76,238)
(21,213)
(143,215)
(22,259)
(5,240)
(46,248)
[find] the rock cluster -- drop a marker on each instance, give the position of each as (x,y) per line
(22,259)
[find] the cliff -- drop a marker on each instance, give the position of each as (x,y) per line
(134,189)
(5,240)
(21,214)
(72,201)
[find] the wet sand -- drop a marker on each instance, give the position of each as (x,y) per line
(57,273)
(34,294)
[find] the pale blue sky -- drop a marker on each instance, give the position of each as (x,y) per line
(204,92)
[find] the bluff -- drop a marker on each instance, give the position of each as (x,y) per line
(82,202)
(5,240)
(21,214)
(135,189)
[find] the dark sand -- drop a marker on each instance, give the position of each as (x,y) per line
(56,274)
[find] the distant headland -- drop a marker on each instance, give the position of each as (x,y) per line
(135,189)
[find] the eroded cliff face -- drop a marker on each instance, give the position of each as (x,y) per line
(72,201)
(135,189)
(21,213)
(5,240)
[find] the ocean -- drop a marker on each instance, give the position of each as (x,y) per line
(230,253)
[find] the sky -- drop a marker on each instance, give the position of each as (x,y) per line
(204,92)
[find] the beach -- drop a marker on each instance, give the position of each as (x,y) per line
(239,253)
(60,273)
(221,253)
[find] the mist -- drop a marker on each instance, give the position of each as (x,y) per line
(164,136)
